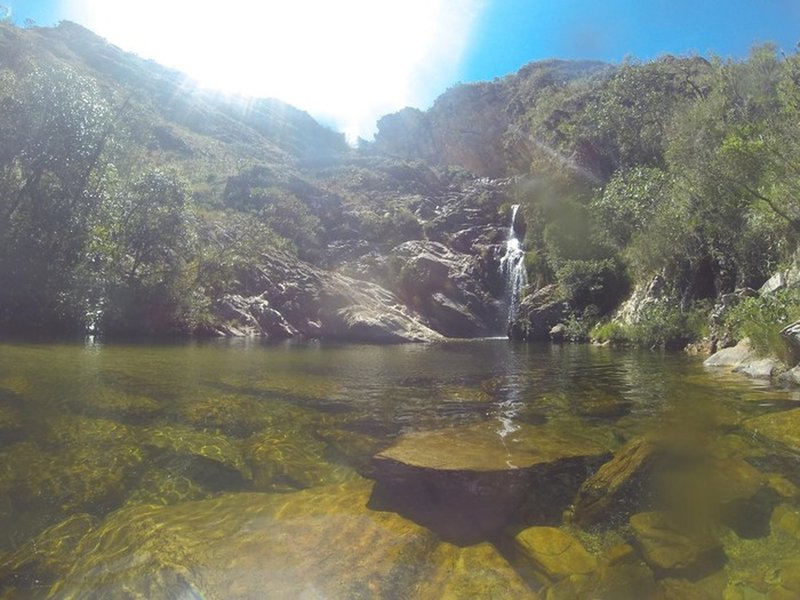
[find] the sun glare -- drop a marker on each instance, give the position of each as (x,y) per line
(346,62)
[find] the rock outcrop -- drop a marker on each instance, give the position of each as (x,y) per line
(284,297)
(538,313)
(467,483)
(447,287)
(320,543)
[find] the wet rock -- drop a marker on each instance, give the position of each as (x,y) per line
(447,287)
(791,336)
(284,296)
(668,548)
(113,403)
(780,428)
(166,486)
(732,357)
(763,368)
(538,313)
(231,414)
(613,582)
(76,478)
(283,460)
(684,589)
(554,553)
(316,543)
(47,556)
(217,461)
(472,572)
(10,421)
(792,376)
(82,463)
(620,486)
(467,482)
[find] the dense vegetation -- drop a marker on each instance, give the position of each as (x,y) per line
(130,204)
(684,169)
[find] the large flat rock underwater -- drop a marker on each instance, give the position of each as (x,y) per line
(317,543)
(468,483)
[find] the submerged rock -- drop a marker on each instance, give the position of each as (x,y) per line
(611,582)
(47,556)
(477,571)
(669,548)
(283,460)
(232,414)
(10,421)
(316,543)
(554,553)
(208,448)
(166,486)
(619,486)
(732,357)
(468,482)
(82,463)
(781,428)
(113,403)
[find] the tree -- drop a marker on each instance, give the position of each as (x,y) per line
(55,125)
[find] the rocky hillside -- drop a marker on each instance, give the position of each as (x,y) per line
(134,202)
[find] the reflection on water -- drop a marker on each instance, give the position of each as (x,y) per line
(462,469)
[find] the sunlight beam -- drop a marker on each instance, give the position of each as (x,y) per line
(347,62)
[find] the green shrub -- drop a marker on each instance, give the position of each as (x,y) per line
(761,319)
(660,325)
(610,331)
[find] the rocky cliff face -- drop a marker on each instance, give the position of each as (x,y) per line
(479,126)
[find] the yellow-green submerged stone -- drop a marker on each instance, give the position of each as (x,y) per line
(554,553)
(315,543)
(488,447)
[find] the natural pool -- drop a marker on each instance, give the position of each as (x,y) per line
(238,469)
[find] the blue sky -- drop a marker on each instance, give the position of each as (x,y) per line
(514,32)
(360,59)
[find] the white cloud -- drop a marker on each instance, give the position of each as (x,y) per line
(345,61)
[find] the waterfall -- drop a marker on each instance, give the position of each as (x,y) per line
(512,266)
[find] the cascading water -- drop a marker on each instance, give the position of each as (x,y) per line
(512,266)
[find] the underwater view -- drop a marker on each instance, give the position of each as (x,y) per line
(483,469)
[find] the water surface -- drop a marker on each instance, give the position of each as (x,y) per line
(97,439)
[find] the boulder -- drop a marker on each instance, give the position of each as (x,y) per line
(47,556)
(316,543)
(672,549)
(554,553)
(780,428)
(730,358)
(469,482)
(447,287)
(762,368)
(213,457)
(538,313)
(791,336)
(612,582)
(284,297)
(620,486)
(478,571)
(781,280)
(10,421)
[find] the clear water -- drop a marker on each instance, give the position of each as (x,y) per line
(97,440)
